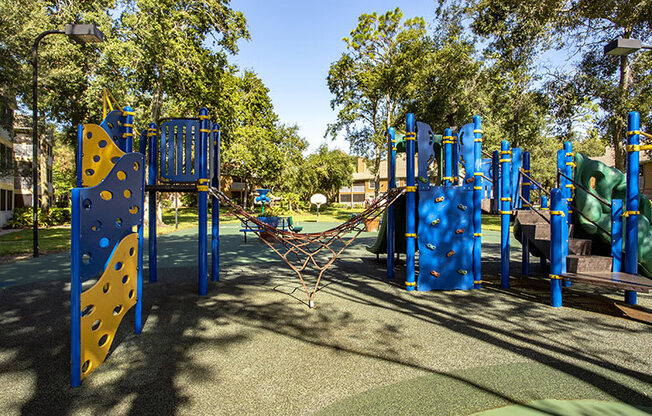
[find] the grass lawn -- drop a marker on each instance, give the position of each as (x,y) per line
(54,239)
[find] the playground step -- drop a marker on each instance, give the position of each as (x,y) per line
(486,206)
(587,264)
(576,246)
(526,217)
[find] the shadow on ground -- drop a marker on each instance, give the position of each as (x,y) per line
(216,353)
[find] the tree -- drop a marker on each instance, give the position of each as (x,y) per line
(370,80)
(327,171)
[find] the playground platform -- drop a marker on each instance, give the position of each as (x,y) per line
(253,347)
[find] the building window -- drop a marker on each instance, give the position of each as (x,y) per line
(3,200)
(372,184)
(358,188)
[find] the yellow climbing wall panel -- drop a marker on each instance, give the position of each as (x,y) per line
(104,305)
(99,155)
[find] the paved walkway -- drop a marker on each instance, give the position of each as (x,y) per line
(369,347)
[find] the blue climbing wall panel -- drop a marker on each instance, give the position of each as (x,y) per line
(109,212)
(112,124)
(445,238)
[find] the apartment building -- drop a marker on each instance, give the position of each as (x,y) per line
(363,186)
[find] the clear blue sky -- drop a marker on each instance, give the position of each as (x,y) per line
(293,43)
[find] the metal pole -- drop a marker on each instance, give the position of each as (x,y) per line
(505,212)
(410,231)
(391,184)
(35,146)
(616,234)
(631,210)
(556,225)
(202,190)
(478,191)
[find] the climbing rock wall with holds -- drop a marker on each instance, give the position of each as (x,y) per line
(445,238)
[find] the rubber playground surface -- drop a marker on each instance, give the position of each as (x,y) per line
(252,346)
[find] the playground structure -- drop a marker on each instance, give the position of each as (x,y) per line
(107,205)
(107,217)
(107,222)
(586,203)
(448,215)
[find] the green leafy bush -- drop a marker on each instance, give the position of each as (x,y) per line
(22,217)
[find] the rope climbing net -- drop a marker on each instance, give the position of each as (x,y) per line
(310,251)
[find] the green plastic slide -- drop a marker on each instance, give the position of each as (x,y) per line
(609,183)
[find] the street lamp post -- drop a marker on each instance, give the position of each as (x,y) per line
(82,33)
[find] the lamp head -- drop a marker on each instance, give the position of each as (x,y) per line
(84,33)
(622,46)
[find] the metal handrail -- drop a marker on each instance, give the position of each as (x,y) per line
(586,190)
(534,209)
(575,210)
(534,182)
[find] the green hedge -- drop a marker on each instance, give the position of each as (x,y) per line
(22,217)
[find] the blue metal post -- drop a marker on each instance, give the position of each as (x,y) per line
(505,212)
(566,196)
(544,207)
(75,287)
(152,135)
(497,185)
(202,190)
(525,191)
(631,214)
(80,153)
(556,225)
(128,127)
(478,192)
(410,233)
(568,171)
(456,160)
(391,177)
(448,157)
(617,235)
(215,220)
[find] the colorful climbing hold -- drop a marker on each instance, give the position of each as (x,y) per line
(430,246)
(462,207)
(450,253)
(440,199)
(435,222)
(434,273)
(469,180)
(462,272)
(422,179)
(459,231)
